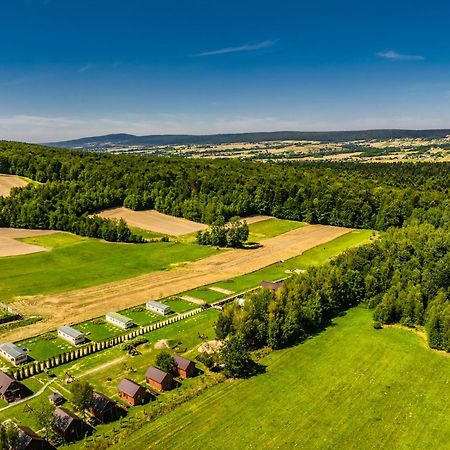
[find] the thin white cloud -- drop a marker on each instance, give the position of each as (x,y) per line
(241,48)
(85,68)
(392,55)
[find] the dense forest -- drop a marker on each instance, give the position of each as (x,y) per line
(405,275)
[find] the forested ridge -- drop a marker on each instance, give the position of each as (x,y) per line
(404,276)
(77,184)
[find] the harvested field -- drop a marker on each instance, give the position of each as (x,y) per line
(7,182)
(9,246)
(152,220)
(84,304)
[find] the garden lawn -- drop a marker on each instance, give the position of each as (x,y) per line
(180,306)
(351,386)
(76,262)
(271,228)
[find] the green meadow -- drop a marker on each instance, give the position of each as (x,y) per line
(351,386)
(75,262)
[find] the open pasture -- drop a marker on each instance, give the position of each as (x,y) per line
(386,384)
(7,182)
(154,221)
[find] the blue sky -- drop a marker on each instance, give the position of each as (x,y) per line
(72,68)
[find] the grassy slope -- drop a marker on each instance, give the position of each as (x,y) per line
(77,262)
(349,387)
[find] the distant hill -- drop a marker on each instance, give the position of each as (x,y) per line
(112,140)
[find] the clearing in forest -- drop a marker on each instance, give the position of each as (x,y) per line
(7,182)
(155,221)
(9,246)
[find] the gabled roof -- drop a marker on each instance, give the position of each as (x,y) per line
(182,363)
(13,350)
(65,417)
(155,374)
(71,331)
(102,403)
(5,382)
(27,436)
(129,387)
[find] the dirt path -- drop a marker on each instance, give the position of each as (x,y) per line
(77,306)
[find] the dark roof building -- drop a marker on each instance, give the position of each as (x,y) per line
(158,378)
(10,389)
(69,426)
(104,409)
(184,366)
(29,440)
(132,393)
(270,285)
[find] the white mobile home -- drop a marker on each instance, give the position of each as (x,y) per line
(11,352)
(158,308)
(119,320)
(71,335)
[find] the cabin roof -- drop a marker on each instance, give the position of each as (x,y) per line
(182,363)
(155,374)
(129,387)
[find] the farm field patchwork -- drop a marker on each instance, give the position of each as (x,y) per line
(316,394)
(154,221)
(76,262)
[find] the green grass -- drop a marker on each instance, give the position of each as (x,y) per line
(271,228)
(349,387)
(41,349)
(180,306)
(142,317)
(99,329)
(206,294)
(76,262)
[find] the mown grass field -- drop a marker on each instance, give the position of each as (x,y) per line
(76,262)
(349,387)
(271,228)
